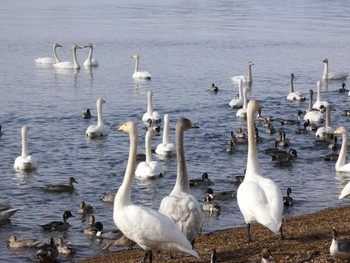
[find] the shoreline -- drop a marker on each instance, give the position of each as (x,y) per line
(307,239)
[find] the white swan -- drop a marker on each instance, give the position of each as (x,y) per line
(319,102)
(25,162)
(327,131)
(259,198)
(238,102)
(90,61)
(331,76)
(345,192)
(182,207)
(294,95)
(242,113)
(99,130)
(139,74)
(150,113)
(48,60)
(313,115)
(245,79)
(165,148)
(150,229)
(149,169)
(340,165)
(69,64)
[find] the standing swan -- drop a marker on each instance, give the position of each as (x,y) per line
(319,102)
(48,60)
(90,62)
(294,95)
(238,103)
(259,198)
(340,165)
(69,64)
(25,162)
(101,129)
(245,79)
(151,114)
(139,74)
(165,148)
(182,207)
(150,229)
(313,115)
(334,76)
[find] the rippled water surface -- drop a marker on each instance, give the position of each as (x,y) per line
(185,45)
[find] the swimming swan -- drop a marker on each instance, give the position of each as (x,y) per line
(182,207)
(139,74)
(245,79)
(150,229)
(331,76)
(101,129)
(242,113)
(48,60)
(259,198)
(313,115)
(326,132)
(149,169)
(340,165)
(166,148)
(90,61)
(319,100)
(69,64)
(238,102)
(25,162)
(294,95)
(150,113)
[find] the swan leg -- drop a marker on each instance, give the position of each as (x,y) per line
(148,254)
(281,232)
(248,233)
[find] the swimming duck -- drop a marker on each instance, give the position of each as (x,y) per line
(47,252)
(61,188)
(204,180)
(291,122)
(241,136)
(269,129)
(214,88)
(91,230)
(224,195)
(1,133)
(59,225)
(85,209)
(64,248)
(87,114)
(339,249)
(114,234)
(343,89)
(123,241)
(331,157)
(287,200)
(334,144)
(263,117)
(231,143)
(108,197)
(310,126)
(282,141)
(6,212)
(211,206)
(22,243)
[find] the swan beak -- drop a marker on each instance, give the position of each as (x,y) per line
(121,127)
(336,132)
(194,125)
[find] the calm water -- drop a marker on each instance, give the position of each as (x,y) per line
(185,45)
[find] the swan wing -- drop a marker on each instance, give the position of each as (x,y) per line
(239,77)
(45,61)
(141,75)
(151,170)
(346,191)
(236,103)
(340,75)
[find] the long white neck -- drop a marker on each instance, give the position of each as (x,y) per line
(325,71)
(319,91)
(136,64)
(99,112)
(182,183)
(55,54)
(148,145)
(123,196)
(310,101)
(75,60)
(343,150)
(328,117)
(166,129)
(240,89)
(253,165)
(291,84)
(90,54)
(24,142)
(250,72)
(150,103)
(245,98)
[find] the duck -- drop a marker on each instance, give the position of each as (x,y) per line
(149,169)
(61,188)
(347,112)
(241,136)
(242,113)
(287,200)
(91,230)
(13,242)
(108,197)
(64,248)
(87,114)
(332,76)
(294,95)
(113,234)
(343,89)
(1,133)
(123,241)
(99,130)
(47,252)
(326,133)
(291,122)
(25,162)
(59,225)
(165,234)
(245,79)
(237,103)
(49,60)
(85,208)
(283,142)
(90,61)
(340,165)
(214,88)
(210,206)
(281,155)
(69,64)
(334,144)
(139,74)
(339,249)
(259,198)
(284,162)
(231,143)
(331,157)
(223,195)
(151,114)
(266,255)
(319,102)
(188,214)
(6,211)
(310,126)
(263,117)
(203,181)
(166,148)
(313,115)
(269,129)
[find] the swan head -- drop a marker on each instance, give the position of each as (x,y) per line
(56,45)
(135,56)
(266,254)
(75,47)
(250,63)
(292,76)
(100,101)
(186,124)
(88,45)
(340,130)
(127,127)
(325,60)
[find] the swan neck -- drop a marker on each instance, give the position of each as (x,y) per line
(291,85)
(99,114)
(55,55)
(328,118)
(245,98)
(252,162)
(325,71)
(90,54)
(75,60)
(249,73)
(343,150)
(240,90)
(318,92)
(310,103)
(148,145)
(166,130)
(136,65)
(24,143)
(150,103)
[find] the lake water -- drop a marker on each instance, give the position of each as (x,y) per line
(185,45)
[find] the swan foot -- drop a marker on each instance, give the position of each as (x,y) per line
(148,254)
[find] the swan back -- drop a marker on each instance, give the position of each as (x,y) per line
(90,61)
(69,64)
(49,60)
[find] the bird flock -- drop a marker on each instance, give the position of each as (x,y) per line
(174,227)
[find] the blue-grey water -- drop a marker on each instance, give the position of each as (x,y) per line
(185,45)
